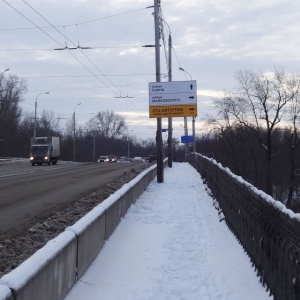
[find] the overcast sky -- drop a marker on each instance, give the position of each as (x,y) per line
(211,41)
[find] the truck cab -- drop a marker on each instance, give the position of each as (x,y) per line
(44,150)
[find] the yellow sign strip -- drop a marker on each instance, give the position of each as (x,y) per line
(173,111)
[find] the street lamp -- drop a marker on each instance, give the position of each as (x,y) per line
(193,121)
(35,108)
(128,143)
(74,128)
(181,69)
(4,71)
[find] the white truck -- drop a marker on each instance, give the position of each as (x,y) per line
(44,150)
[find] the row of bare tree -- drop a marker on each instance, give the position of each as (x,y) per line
(105,133)
(255,131)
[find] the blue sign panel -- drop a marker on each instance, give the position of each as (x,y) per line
(187,139)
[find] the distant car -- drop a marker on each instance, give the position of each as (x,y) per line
(122,160)
(112,158)
(153,158)
(137,159)
(103,159)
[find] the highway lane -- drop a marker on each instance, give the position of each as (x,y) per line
(32,193)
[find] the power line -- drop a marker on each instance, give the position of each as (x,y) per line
(79,23)
(40,28)
(86,76)
(74,55)
(31,22)
(90,48)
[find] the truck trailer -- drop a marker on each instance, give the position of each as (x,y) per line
(44,150)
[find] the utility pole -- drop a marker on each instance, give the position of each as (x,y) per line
(194,136)
(35,109)
(186,133)
(74,128)
(170,126)
(159,141)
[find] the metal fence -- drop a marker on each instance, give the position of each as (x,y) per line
(268,232)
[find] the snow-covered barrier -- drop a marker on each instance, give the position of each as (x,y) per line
(268,231)
(52,271)
(49,274)
(90,233)
(5,293)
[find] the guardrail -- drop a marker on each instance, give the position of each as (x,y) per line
(53,270)
(267,230)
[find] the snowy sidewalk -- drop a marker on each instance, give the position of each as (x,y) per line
(171,245)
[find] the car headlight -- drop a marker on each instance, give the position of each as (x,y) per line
(46,157)
(31,158)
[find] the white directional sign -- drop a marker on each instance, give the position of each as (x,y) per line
(173,99)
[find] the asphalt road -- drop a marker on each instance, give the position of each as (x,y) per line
(29,193)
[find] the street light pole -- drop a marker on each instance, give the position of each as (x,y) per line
(4,71)
(35,109)
(170,126)
(193,120)
(159,141)
(74,128)
(128,144)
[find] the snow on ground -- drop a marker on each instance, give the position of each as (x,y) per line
(171,245)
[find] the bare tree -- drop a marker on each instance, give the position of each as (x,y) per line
(107,124)
(48,121)
(293,138)
(11,93)
(259,104)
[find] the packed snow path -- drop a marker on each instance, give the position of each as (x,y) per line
(171,245)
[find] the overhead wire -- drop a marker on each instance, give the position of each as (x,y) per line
(32,22)
(80,51)
(78,23)
(173,49)
(41,29)
(135,108)
(168,30)
(51,49)
(93,74)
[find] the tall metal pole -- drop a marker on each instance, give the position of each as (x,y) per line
(4,71)
(35,110)
(170,126)
(194,136)
(74,128)
(186,133)
(94,147)
(128,146)
(185,124)
(159,140)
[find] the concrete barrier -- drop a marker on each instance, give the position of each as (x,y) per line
(126,198)
(90,233)
(5,293)
(113,213)
(49,274)
(53,270)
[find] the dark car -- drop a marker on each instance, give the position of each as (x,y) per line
(112,158)
(153,158)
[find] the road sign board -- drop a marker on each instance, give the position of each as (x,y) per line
(172,87)
(172,93)
(187,139)
(173,111)
(173,99)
